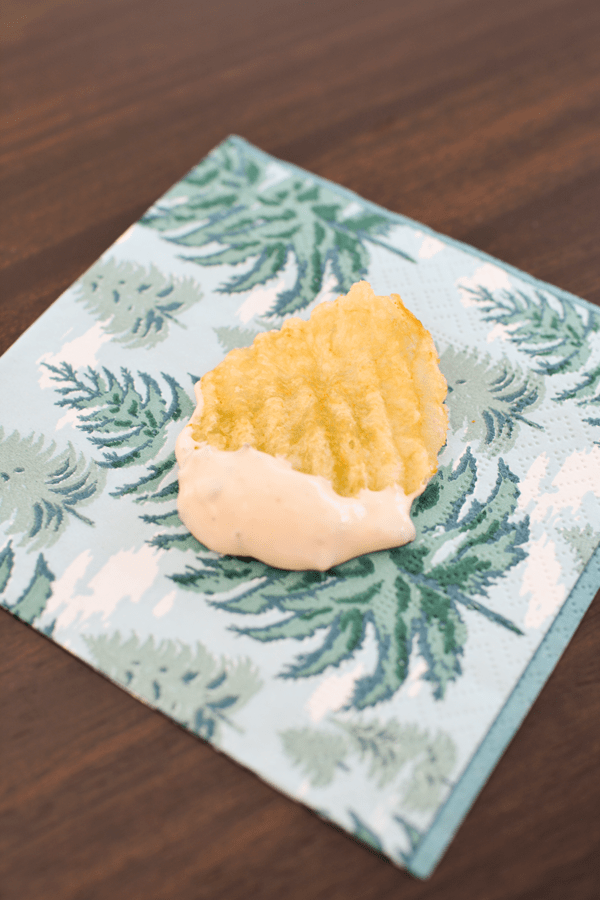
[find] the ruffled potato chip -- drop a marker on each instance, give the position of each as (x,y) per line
(354,395)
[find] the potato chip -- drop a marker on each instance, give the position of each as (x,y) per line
(353,394)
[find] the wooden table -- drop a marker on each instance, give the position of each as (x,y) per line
(476,117)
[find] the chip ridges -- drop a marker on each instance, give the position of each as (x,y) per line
(354,394)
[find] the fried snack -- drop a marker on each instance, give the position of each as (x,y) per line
(353,398)
(354,395)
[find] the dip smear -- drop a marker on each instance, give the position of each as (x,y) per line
(308,447)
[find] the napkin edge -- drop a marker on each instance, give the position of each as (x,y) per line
(450,816)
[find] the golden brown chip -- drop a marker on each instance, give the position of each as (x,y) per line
(354,394)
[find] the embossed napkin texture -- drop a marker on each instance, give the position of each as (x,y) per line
(380,693)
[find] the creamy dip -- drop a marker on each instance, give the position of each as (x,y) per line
(247,503)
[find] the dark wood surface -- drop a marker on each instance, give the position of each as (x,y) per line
(477,117)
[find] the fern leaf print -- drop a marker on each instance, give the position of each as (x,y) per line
(7,559)
(554,332)
(398,754)
(489,400)
(41,490)
(228,200)
(409,597)
(137,304)
(126,426)
(318,754)
(32,602)
(190,684)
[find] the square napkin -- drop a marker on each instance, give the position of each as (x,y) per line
(380,693)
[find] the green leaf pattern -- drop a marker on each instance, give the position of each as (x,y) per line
(401,754)
(199,690)
(555,333)
(127,426)
(41,489)
(488,400)
(137,304)
(411,596)
(32,602)
(226,208)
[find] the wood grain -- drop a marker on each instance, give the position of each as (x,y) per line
(481,119)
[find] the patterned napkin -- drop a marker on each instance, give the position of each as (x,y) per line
(382,692)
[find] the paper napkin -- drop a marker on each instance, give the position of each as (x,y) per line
(382,692)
